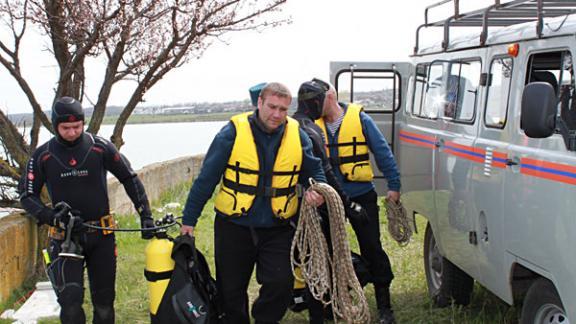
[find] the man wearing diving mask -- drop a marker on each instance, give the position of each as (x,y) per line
(350,135)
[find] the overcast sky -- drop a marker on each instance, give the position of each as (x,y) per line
(321,31)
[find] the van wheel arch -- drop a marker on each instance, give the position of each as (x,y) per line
(542,304)
(446,282)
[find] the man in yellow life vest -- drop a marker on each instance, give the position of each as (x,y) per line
(258,158)
(350,135)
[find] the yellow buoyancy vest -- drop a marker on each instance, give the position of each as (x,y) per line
(353,156)
(239,185)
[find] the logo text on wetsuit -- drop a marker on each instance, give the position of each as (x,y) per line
(30,182)
(74,173)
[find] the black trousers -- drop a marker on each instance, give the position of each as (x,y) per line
(368,235)
(237,250)
(67,277)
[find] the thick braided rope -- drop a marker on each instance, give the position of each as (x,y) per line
(313,257)
(345,293)
(399,225)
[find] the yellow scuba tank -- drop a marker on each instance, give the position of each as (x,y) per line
(298,280)
(159,266)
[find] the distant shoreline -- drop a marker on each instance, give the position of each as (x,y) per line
(179,118)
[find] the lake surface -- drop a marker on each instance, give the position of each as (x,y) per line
(151,143)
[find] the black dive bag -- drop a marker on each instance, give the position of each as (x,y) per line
(191,295)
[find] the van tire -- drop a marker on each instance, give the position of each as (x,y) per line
(542,304)
(446,282)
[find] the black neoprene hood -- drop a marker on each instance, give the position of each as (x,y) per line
(311,97)
(66,109)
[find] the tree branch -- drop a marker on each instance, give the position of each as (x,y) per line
(6,170)
(34,133)
(140,39)
(15,145)
(28,92)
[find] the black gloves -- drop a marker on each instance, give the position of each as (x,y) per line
(60,215)
(147,222)
(356,212)
(78,226)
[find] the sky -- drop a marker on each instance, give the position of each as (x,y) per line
(321,31)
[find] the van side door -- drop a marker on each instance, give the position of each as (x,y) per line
(417,141)
(457,96)
(381,89)
(487,178)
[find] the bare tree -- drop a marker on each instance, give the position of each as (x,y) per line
(140,40)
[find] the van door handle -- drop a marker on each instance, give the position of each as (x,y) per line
(510,162)
(439,143)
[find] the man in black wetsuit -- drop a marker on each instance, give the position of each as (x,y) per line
(73,165)
(310,101)
(352,137)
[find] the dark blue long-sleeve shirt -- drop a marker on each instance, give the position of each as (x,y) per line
(267,144)
(382,154)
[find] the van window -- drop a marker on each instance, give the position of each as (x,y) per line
(410,95)
(567,93)
(498,92)
(557,69)
(376,90)
(462,90)
(419,86)
(435,91)
(450,92)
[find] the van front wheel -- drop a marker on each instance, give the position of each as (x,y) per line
(445,280)
(543,305)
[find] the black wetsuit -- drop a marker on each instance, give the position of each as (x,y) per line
(319,149)
(75,173)
(315,307)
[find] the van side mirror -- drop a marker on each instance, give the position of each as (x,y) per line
(538,117)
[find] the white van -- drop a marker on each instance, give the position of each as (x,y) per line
(483,127)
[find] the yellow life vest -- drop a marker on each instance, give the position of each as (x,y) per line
(239,185)
(353,156)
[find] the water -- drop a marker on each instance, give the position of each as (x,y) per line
(150,143)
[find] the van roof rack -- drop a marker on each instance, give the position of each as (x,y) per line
(497,15)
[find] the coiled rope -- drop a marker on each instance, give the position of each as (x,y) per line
(317,267)
(399,226)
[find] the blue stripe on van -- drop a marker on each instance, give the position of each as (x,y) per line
(417,139)
(548,170)
(465,151)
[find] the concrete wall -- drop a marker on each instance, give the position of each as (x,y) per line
(18,246)
(157,179)
(19,242)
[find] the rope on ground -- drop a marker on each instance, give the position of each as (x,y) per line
(317,266)
(399,226)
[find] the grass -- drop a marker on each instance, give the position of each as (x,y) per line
(409,292)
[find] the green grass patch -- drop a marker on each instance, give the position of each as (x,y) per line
(409,292)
